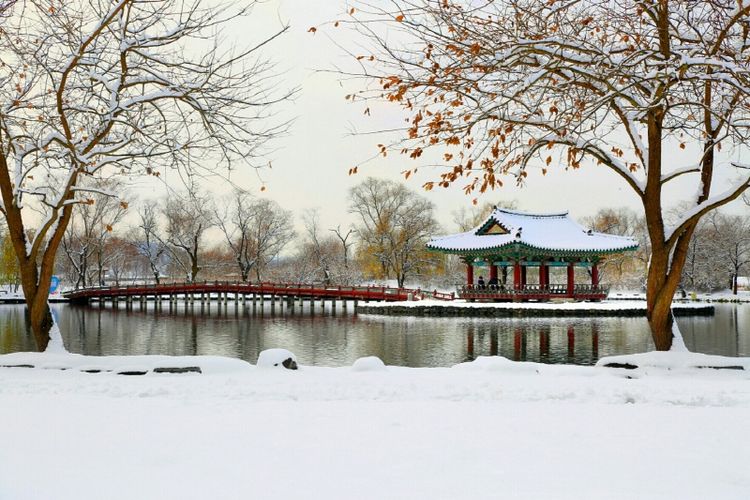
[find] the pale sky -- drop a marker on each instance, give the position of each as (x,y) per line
(311,163)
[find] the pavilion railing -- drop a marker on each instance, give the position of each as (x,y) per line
(531,291)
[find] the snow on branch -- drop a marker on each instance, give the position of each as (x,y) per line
(680,171)
(706,206)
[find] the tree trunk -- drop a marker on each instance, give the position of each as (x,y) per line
(194,269)
(36,293)
(39,317)
(660,321)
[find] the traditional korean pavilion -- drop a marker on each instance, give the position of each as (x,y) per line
(514,242)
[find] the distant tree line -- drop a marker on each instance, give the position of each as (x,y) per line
(193,236)
(718,254)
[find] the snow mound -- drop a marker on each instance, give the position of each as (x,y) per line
(675,360)
(498,364)
(277,358)
(369,364)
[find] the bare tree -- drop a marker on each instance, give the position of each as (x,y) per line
(188,217)
(237,220)
(256,230)
(123,260)
(626,269)
(728,240)
(395,226)
(92,89)
(345,243)
(273,230)
(90,229)
(148,241)
(318,246)
(504,87)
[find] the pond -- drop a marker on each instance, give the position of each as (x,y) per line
(327,337)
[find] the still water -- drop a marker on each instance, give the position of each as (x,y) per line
(338,337)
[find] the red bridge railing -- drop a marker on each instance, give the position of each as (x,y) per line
(367,292)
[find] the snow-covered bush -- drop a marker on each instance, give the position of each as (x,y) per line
(272,358)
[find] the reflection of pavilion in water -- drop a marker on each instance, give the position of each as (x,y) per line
(532,343)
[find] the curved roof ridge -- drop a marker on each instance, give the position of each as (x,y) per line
(532,214)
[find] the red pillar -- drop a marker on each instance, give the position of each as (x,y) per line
(469,274)
(493,272)
(595,275)
(571,278)
(546,275)
(516,275)
(543,275)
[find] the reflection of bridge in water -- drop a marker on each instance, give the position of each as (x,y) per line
(256,292)
(521,336)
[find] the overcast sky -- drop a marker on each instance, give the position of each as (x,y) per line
(311,163)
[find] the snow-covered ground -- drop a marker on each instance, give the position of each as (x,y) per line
(13,294)
(488,429)
(717,296)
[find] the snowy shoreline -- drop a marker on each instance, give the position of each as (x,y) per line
(431,307)
(486,429)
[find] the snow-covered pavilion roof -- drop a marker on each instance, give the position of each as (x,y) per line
(508,230)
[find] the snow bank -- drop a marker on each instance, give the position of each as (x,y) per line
(368,364)
(675,360)
(277,358)
(124,365)
(499,364)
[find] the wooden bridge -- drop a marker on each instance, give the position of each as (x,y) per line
(242,291)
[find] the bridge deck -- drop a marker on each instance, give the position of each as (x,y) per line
(373,293)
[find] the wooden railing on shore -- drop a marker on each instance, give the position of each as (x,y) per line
(532,292)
